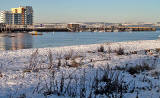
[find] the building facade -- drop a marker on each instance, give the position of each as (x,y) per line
(16,19)
(6,17)
(74,27)
(17,16)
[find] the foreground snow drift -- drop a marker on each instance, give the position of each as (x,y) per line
(122,69)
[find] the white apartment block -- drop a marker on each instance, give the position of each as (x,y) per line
(6,17)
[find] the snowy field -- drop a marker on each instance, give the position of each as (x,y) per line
(108,70)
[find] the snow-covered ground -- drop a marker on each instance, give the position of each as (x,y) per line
(127,69)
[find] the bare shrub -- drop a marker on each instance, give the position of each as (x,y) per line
(27,70)
(101,49)
(133,52)
(69,87)
(33,62)
(74,64)
(74,60)
(62,84)
(120,51)
(91,52)
(155,74)
(59,63)
(83,85)
(158,50)
(1,75)
(139,68)
(47,90)
(135,69)
(69,55)
(109,50)
(22,95)
(50,56)
(120,68)
(106,82)
(56,86)
(112,84)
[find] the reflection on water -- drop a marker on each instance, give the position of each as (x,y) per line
(15,41)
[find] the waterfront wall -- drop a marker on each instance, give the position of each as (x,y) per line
(34,29)
(44,29)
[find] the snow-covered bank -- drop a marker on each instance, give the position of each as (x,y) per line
(71,71)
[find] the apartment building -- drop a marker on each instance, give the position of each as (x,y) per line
(22,15)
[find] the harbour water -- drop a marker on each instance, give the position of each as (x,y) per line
(14,41)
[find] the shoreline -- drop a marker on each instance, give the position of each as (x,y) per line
(137,45)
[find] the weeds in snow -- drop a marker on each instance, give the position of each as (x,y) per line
(50,56)
(120,51)
(1,75)
(101,49)
(111,84)
(84,83)
(136,69)
(139,68)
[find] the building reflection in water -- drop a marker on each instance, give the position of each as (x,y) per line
(15,41)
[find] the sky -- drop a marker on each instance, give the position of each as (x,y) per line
(115,11)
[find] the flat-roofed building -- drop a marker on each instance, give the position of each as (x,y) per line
(22,15)
(74,26)
(26,14)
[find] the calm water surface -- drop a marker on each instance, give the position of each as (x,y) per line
(14,41)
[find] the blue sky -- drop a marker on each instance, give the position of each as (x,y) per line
(90,10)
